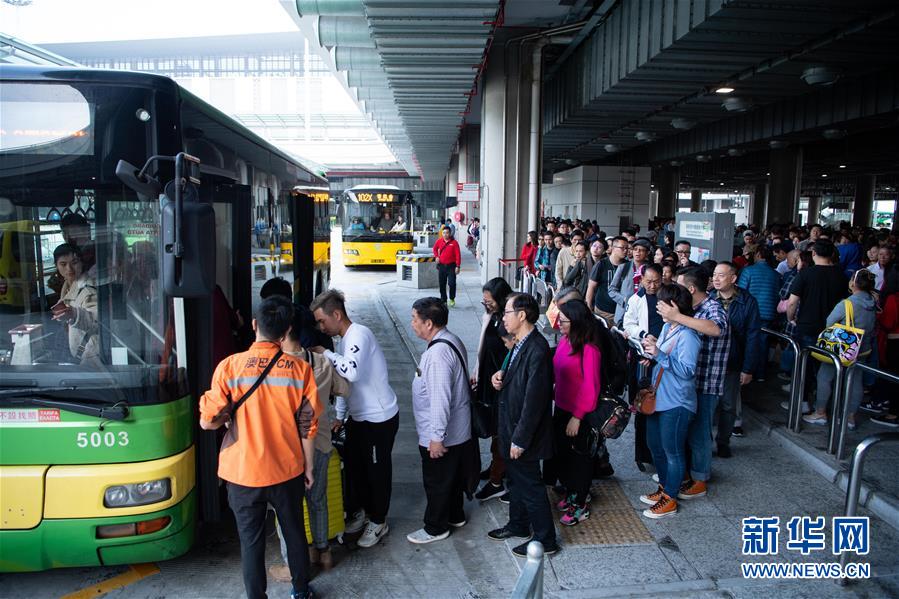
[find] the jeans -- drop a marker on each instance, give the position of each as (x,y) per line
(528,504)
(317,502)
(825,383)
(729,402)
(447,273)
(666,434)
(250,505)
(699,436)
(369,468)
(444,482)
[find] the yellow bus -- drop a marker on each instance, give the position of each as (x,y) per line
(377,224)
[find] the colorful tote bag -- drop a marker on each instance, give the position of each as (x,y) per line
(845,340)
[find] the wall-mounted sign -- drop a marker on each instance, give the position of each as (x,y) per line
(696,229)
(468,192)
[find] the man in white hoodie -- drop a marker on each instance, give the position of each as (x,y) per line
(371,417)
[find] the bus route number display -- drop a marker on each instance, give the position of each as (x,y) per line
(375,197)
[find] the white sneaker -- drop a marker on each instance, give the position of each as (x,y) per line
(655,477)
(421,537)
(814,418)
(355,523)
(373,533)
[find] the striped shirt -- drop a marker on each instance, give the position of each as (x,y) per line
(441,393)
(713,351)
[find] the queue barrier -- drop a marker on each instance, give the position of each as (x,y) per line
(855,481)
(530,581)
(509,270)
(804,354)
(842,403)
(795,411)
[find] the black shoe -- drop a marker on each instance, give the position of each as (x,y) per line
(873,407)
(522,550)
(724,451)
(307,595)
(485,474)
(738,432)
(501,534)
(603,470)
(504,498)
(885,420)
(489,491)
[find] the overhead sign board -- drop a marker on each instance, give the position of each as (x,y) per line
(468,192)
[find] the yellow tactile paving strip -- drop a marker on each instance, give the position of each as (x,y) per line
(612,521)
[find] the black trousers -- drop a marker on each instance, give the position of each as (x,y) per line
(528,504)
(444,485)
(369,466)
(447,273)
(249,505)
(575,470)
(641,449)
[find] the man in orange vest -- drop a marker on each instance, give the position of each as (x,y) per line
(269,402)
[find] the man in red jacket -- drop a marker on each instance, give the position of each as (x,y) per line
(449,261)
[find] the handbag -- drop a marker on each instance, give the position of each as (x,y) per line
(645,402)
(844,340)
(610,417)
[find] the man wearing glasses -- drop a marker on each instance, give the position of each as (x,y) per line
(682,249)
(628,276)
(601,279)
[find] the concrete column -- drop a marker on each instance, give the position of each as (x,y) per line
(452,175)
(668,186)
(814,209)
(759,204)
(864,201)
(784,184)
(493,165)
(696,200)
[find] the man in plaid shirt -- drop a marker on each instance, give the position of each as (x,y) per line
(710,321)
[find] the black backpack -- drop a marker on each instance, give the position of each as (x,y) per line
(613,367)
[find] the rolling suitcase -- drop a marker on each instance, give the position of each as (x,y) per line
(334,496)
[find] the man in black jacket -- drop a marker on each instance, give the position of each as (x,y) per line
(525,388)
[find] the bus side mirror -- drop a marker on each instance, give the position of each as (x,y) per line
(192,274)
(129,174)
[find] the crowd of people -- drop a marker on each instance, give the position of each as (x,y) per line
(695,338)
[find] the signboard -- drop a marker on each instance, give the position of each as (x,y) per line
(696,229)
(468,192)
(29,415)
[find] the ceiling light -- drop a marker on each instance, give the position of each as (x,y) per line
(724,90)
(645,136)
(736,191)
(824,175)
(721,184)
(820,75)
(842,166)
(735,152)
(776,144)
(702,158)
(610,148)
(834,134)
(767,174)
(675,163)
(681,123)
(736,104)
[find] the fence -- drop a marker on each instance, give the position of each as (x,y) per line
(530,581)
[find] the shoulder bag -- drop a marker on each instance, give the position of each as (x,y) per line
(481,412)
(232,408)
(844,340)
(645,402)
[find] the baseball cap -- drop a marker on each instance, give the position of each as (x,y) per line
(643,243)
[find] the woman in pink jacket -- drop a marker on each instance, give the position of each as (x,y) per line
(576,369)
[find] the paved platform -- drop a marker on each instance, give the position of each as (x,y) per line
(695,554)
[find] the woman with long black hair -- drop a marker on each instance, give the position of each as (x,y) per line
(491,353)
(576,366)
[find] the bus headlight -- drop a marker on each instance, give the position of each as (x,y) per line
(403,252)
(151,491)
(351,252)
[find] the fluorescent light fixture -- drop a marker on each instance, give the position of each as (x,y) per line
(842,166)
(724,90)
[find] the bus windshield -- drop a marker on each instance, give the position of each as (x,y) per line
(81,304)
(375,216)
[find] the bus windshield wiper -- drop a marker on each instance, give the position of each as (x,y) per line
(105,411)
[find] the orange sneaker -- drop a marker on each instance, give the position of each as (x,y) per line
(666,506)
(653,498)
(691,489)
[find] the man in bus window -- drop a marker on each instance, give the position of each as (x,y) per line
(270,440)
(386,223)
(76,232)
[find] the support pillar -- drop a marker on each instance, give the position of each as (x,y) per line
(759,205)
(814,209)
(668,186)
(696,200)
(863,207)
(784,184)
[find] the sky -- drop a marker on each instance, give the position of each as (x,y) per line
(58,21)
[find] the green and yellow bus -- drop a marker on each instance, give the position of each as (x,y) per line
(377,224)
(101,461)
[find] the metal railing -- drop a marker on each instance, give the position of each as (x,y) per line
(795,410)
(801,381)
(842,404)
(530,581)
(508,270)
(855,479)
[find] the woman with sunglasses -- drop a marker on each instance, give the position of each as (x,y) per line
(491,352)
(576,367)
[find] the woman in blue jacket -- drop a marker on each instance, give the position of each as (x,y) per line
(675,352)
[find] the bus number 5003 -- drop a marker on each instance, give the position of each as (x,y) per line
(98,439)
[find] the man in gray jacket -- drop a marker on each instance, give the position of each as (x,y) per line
(440,404)
(626,281)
